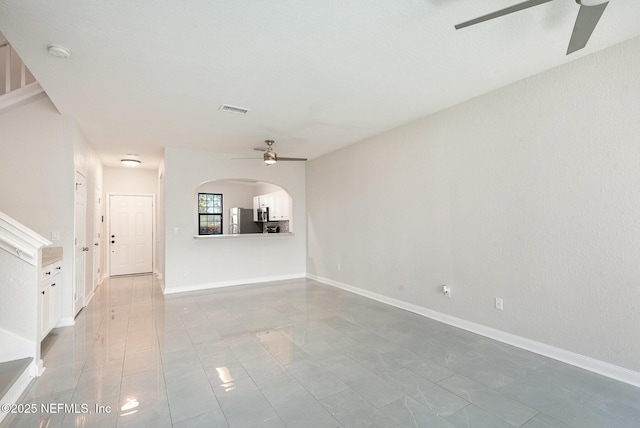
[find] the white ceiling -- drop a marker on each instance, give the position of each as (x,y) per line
(317,74)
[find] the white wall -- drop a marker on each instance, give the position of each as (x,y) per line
(208,262)
(18,306)
(88,164)
(37,176)
(41,150)
(530,193)
(127,180)
(135,181)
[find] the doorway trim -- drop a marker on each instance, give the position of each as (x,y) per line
(108,228)
(79,266)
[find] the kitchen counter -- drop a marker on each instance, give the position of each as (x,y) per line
(51,255)
(242,235)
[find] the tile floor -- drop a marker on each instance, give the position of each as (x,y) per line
(299,354)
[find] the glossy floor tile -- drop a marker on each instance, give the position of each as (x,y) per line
(297,354)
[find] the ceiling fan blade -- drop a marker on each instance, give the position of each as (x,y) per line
(588,17)
(291,159)
(502,12)
(261,149)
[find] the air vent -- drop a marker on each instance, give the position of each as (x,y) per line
(234,109)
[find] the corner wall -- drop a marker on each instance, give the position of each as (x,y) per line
(36,176)
(529,193)
(196,263)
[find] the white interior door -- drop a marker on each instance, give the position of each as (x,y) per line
(98,234)
(131,234)
(80,242)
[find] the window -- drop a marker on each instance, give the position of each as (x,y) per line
(210,213)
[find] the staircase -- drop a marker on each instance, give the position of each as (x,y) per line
(16,81)
(14,379)
(20,265)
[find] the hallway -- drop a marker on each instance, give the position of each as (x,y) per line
(298,353)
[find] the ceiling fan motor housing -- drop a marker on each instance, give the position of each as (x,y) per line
(270,157)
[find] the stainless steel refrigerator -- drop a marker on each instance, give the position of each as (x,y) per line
(241,221)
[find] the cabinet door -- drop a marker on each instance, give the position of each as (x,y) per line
(45,309)
(283,205)
(256,205)
(54,301)
(267,201)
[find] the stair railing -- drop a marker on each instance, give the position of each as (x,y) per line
(10,59)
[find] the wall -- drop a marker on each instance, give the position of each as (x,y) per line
(37,176)
(134,181)
(86,162)
(529,193)
(193,263)
(127,180)
(18,314)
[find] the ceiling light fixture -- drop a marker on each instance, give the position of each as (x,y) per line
(130,162)
(59,51)
(270,157)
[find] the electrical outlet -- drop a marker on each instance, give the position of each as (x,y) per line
(446,290)
(499,303)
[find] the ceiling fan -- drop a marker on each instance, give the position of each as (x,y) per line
(588,17)
(270,157)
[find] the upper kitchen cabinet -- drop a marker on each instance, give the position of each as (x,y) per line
(281,206)
(262,201)
(278,203)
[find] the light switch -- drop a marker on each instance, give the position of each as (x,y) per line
(55,236)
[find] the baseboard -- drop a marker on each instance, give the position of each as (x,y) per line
(14,347)
(16,390)
(88,299)
(211,285)
(603,368)
(37,368)
(66,322)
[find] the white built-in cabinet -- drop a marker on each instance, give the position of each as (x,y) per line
(278,203)
(50,286)
(281,206)
(262,201)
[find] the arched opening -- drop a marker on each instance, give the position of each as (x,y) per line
(240,207)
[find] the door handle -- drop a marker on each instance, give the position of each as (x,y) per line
(85,248)
(96,244)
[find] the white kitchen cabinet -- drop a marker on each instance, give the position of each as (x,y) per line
(278,203)
(50,286)
(266,201)
(256,205)
(281,206)
(45,307)
(263,201)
